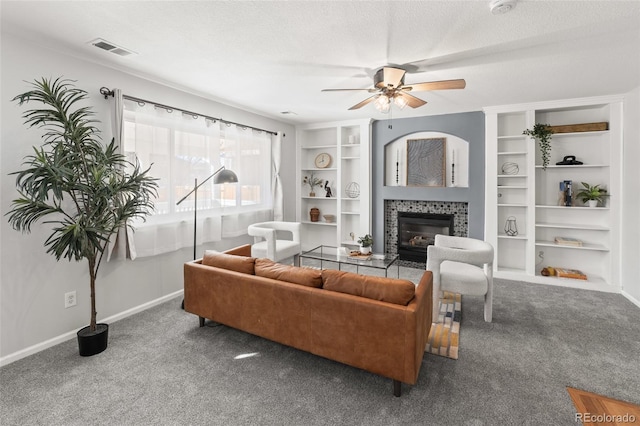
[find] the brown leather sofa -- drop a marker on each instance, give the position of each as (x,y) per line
(380,325)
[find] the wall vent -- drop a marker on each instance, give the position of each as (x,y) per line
(112,48)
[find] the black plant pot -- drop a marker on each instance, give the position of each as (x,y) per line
(93,342)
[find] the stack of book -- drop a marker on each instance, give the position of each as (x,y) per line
(568,241)
(570,273)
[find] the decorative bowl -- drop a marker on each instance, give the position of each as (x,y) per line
(329,218)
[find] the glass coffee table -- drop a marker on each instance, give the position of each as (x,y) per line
(333,254)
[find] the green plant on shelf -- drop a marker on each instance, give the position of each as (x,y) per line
(542,132)
(591,193)
(312,181)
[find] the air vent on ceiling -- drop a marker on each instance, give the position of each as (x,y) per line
(110,47)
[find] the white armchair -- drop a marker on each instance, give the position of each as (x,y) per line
(268,240)
(461,265)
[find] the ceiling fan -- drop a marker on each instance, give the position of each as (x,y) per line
(388,86)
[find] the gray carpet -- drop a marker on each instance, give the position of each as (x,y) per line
(162,369)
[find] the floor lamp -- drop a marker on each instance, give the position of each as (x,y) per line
(222,175)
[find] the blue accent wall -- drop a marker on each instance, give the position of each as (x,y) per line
(468,126)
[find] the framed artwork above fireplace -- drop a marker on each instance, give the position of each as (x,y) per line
(426,162)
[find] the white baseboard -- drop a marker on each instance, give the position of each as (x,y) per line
(8,359)
(631,298)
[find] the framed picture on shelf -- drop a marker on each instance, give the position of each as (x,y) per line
(426,162)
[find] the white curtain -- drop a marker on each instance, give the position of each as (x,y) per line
(121,244)
(276,186)
(182,146)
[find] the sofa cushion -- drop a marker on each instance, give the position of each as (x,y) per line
(229,261)
(277,271)
(384,289)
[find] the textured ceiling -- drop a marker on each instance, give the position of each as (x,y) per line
(274,56)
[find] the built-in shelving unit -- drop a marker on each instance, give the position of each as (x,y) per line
(531,194)
(348,144)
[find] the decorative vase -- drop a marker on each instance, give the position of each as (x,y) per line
(511,227)
(314,213)
(312,194)
(93,342)
(365,250)
(593,203)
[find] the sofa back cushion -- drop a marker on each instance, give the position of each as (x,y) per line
(277,271)
(229,261)
(384,289)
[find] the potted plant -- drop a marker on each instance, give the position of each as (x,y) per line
(365,243)
(542,132)
(591,194)
(312,181)
(86,190)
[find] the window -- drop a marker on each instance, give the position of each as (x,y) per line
(182,148)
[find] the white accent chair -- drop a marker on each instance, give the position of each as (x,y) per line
(268,241)
(461,265)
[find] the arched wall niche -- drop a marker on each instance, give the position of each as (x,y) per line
(456,159)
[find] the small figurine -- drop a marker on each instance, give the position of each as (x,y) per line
(328,189)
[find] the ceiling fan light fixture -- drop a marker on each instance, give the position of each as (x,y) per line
(382,103)
(400,101)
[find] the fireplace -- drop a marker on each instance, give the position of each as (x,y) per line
(416,231)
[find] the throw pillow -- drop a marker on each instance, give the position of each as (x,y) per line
(277,271)
(390,290)
(230,262)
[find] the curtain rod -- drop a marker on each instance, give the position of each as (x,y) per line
(106,92)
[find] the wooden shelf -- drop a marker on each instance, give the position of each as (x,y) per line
(501,138)
(585,246)
(572,226)
(569,166)
(516,237)
(513,153)
(308,222)
(544,206)
(319,147)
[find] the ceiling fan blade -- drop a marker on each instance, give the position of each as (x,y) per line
(436,85)
(412,101)
(343,90)
(389,77)
(363,103)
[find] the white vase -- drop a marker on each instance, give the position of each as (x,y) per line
(365,250)
(593,203)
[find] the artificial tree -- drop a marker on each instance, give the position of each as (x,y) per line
(86,189)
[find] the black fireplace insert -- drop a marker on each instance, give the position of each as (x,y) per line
(416,231)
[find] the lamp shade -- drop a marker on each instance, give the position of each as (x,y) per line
(225,176)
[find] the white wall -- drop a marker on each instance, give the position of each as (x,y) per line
(32,283)
(630,250)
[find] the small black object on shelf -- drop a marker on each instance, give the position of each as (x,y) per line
(569,160)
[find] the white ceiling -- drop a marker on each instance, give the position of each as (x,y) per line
(274,56)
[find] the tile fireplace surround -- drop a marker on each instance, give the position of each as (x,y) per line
(391,208)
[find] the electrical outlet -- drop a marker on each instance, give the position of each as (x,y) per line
(70,299)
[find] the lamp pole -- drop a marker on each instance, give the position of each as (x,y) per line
(229,177)
(226,177)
